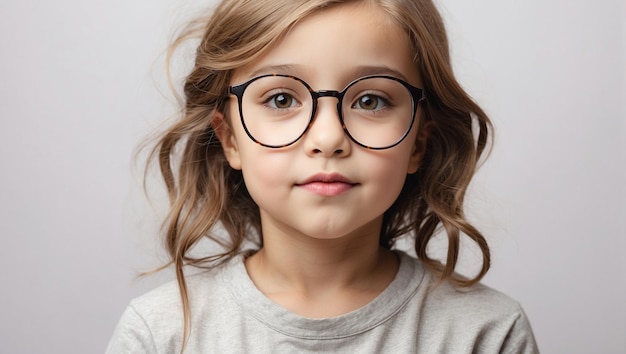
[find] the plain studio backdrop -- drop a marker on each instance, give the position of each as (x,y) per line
(81,82)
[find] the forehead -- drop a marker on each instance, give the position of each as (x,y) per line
(336,45)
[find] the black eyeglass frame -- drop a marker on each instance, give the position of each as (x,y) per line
(417,95)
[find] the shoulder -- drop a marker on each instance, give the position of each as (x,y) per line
(492,320)
(154,320)
(165,300)
(147,321)
(473,319)
(478,300)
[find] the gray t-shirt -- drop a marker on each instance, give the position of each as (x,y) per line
(230,315)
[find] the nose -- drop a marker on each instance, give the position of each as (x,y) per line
(326,136)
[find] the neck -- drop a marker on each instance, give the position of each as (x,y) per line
(299,271)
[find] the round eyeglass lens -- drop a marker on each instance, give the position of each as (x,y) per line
(377,111)
(276,110)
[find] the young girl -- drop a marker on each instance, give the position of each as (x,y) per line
(322,131)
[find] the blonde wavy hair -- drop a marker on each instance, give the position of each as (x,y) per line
(205,191)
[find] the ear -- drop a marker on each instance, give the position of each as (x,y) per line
(227,139)
(419,148)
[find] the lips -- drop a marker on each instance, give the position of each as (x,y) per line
(327,185)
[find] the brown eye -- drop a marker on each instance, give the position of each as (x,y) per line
(281,101)
(369,103)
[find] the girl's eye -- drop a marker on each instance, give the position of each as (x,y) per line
(281,101)
(370,102)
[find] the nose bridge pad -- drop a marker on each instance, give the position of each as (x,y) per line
(329,93)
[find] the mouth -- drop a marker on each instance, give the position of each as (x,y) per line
(327,185)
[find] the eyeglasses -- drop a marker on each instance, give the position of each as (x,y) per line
(376,112)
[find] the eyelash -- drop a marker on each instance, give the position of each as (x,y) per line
(381,101)
(270,101)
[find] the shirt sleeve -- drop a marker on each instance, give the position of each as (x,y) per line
(520,339)
(132,335)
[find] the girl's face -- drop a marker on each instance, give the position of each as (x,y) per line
(325,186)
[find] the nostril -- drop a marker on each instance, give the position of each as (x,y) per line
(339,151)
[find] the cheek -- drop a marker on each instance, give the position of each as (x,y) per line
(395,161)
(264,171)
(387,171)
(391,173)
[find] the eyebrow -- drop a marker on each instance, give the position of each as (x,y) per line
(357,72)
(361,71)
(287,69)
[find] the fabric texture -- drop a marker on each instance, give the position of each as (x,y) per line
(413,315)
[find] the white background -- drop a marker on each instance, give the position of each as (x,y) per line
(81,83)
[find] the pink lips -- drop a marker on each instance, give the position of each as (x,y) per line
(327,185)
